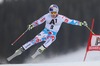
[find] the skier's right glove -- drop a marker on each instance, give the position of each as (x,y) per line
(30,27)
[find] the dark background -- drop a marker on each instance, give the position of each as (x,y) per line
(16,15)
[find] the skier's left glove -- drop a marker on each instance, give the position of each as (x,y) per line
(84,23)
(30,27)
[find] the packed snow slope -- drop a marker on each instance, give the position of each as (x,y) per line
(70,59)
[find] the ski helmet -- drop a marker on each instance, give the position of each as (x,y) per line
(54,8)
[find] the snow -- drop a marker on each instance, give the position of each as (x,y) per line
(70,59)
(76,56)
(96,63)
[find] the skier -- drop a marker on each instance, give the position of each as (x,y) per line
(48,34)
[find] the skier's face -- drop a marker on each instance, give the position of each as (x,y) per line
(53,14)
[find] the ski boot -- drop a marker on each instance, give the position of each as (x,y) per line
(17,52)
(38,52)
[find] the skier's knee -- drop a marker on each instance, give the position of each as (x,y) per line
(41,49)
(27,45)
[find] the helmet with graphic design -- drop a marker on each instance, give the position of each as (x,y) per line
(53,9)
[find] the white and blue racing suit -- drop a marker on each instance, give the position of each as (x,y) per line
(50,31)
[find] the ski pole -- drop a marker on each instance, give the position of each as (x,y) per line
(19,37)
(90,29)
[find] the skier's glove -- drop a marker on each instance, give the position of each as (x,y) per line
(30,27)
(84,23)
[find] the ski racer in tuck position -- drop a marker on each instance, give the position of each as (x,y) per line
(53,22)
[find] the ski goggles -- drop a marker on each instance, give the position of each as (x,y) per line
(53,13)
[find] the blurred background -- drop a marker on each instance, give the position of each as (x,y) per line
(16,15)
